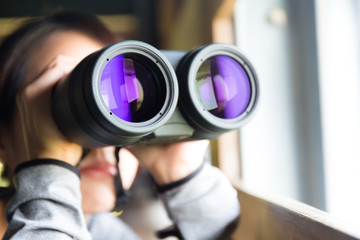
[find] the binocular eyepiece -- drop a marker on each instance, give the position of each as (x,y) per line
(132,93)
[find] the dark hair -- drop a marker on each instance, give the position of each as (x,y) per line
(17,47)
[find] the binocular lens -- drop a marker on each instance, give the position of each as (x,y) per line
(132,87)
(223,87)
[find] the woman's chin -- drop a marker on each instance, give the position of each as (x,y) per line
(96,205)
(97,196)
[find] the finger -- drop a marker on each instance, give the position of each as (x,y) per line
(128,167)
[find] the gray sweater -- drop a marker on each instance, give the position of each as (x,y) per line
(47,205)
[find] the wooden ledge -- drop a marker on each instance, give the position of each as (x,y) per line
(276,218)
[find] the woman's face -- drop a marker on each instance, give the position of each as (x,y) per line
(98,168)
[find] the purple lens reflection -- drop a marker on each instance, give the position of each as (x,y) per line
(130,88)
(223,87)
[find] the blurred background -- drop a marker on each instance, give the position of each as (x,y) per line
(304,141)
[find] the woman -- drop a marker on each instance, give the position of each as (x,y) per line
(50,201)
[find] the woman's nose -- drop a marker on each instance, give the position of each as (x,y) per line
(105,154)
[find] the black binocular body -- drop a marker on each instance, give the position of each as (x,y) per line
(132,93)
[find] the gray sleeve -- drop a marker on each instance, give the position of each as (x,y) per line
(206,207)
(104,226)
(46,205)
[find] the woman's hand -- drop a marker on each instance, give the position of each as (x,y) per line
(171,162)
(36,134)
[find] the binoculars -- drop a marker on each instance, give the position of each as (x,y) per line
(132,93)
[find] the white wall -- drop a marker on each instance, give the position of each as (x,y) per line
(282,146)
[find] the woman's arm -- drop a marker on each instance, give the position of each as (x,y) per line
(47,203)
(205,207)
